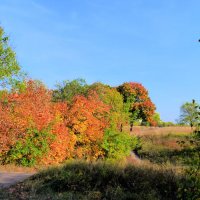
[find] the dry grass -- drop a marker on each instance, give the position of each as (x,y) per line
(143,130)
(14,168)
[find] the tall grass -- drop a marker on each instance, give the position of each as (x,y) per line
(165,148)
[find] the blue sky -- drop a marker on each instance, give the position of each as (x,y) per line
(113,41)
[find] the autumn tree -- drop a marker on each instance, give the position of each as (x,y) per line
(87,120)
(137,99)
(111,97)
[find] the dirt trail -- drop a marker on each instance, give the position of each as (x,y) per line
(10,178)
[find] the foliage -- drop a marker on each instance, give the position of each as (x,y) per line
(87,120)
(157,119)
(9,67)
(36,130)
(189,114)
(138,101)
(29,150)
(69,89)
(110,96)
(29,110)
(117,144)
(167,124)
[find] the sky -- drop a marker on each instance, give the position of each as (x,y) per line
(113,41)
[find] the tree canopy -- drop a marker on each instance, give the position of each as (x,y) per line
(9,67)
(67,90)
(189,113)
(137,99)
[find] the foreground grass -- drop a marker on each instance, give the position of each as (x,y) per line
(82,180)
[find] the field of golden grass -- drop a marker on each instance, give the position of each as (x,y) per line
(143,130)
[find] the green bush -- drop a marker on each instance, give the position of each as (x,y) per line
(27,151)
(119,144)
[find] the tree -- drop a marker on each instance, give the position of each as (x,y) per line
(189,114)
(9,67)
(87,119)
(69,89)
(111,97)
(138,102)
(157,119)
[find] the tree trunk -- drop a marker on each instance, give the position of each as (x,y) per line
(131,127)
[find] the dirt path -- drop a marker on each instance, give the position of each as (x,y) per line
(9,178)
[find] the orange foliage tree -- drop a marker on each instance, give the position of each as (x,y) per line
(111,97)
(32,126)
(87,120)
(33,129)
(140,104)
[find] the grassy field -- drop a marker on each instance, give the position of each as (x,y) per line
(157,176)
(161,145)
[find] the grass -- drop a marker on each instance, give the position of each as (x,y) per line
(100,180)
(143,130)
(14,168)
(165,148)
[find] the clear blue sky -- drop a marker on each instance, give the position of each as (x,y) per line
(114,41)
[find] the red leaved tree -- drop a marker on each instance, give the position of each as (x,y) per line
(139,103)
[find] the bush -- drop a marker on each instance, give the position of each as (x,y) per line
(30,149)
(119,144)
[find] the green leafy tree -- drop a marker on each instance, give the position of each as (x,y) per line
(189,114)
(69,89)
(110,96)
(9,67)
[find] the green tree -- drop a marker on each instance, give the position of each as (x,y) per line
(189,114)
(110,96)
(68,89)
(9,67)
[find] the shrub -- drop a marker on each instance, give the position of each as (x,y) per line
(119,144)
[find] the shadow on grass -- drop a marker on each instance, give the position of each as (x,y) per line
(174,156)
